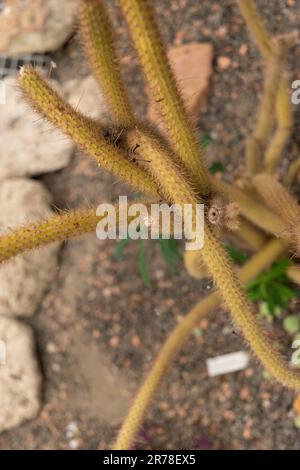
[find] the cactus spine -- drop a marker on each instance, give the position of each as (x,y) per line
(98,39)
(146,37)
(176,340)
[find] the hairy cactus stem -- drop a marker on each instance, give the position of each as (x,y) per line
(251,209)
(85,132)
(282,203)
(284,114)
(146,37)
(179,191)
(60,227)
(98,39)
(254,145)
(176,340)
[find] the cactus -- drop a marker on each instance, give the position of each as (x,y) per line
(283,104)
(174,170)
(282,203)
(255,144)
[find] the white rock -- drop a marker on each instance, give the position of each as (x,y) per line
(29,145)
(35,25)
(85,95)
(24,279)
(20,378)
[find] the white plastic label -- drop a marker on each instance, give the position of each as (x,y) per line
(227,363)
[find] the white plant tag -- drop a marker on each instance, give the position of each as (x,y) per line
(227,363)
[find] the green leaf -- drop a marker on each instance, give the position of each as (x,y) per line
(237,256)
(217,167)
(143,265)
(271,306)
(273,289)
(205,140)
(278,269)
(255,294)
(170,251)
(120,247)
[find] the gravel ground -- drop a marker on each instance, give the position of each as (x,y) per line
(99,328)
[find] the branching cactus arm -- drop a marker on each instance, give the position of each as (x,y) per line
(98,39)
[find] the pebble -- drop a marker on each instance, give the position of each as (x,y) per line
(51,348)
(245,393)
(223,62)
(136,341)
(297,405)
(114,341)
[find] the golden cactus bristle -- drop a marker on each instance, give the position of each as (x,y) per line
(153,57)
(85,132)
(98,38)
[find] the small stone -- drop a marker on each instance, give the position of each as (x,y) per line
(74,444)
(35,25)
(229,415)
(38,148)
(183,360)
(135,341)
(221,32)
(85,95)
(107,291)
(51,348)
(25,278)
(297,405)
(192,65)
(243,49)
(170,302)
(224,62)
(72,430)
(247,433)
(20,378)
(181,412)
(96,334)
(245,393)
(114,341)
(204,324)
(164,406)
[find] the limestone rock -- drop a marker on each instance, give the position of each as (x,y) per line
(24,279)
(85,95)
(20,378)
(192,65)
(29,145)
(31,26)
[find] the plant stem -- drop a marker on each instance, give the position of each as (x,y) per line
(85,132)
(98,38)
(176,340)
(153,57)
